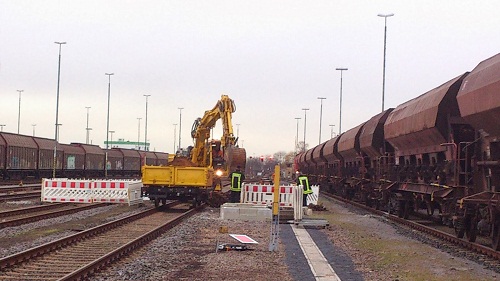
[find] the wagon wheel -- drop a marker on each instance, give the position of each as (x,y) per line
(459,227)
(496,235)
(407,209)
(401,208)
(164,201)
(430,208)
(157,202)
(471,228)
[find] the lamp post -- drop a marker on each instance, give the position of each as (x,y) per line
(297,134)
(19,112)
(175,136)
(3,125)
(34,125)
(340,118)
(305,123)
(320,116)
(237,130)
(331,130)
(107,125)
(385,16)
(111,132)
(56,137)
(87,137)
(180,125)
(139,133)
(146,125)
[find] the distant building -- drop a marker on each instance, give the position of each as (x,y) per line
(121,143)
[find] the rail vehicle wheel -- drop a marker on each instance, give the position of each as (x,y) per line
(459,227)
(157,202)
(392,206)
(430,208)
(407,209)
(401,208)
(164,201)
(471,228)
(495,241)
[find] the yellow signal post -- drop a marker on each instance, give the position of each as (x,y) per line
(273,242)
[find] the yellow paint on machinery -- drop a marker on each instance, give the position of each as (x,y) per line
(177,176)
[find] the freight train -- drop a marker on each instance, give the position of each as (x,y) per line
(437,154)
(26,157)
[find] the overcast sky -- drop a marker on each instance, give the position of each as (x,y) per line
(272,57)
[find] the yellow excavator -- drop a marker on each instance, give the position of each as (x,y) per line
(222,155)
(195,177)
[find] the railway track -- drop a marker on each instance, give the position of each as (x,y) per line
(20,196)
(36,213)
(446,240)
(78,256)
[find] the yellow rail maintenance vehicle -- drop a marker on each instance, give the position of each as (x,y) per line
(194,175)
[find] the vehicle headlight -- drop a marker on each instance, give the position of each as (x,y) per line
(218,173)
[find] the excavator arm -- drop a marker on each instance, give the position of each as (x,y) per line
(200,132)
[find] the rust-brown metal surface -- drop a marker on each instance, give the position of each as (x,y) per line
(46,153)
(150,157)
(330,150)
(21,152)
(76,154)
(131,159)
(162,159)
(371,138)
(348,145)
(317,155)
(2,153)
(308,157)
(479,96)
(115,159)
(421,124)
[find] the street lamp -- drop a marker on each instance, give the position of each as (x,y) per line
(305,123)
(87,138)
(107,125)
(19,112)
(56,137)
(331,130)
(385,16)
(34,125)
(340,118)
(297,134)
(3,125)
(175,135)
(111,132)
(146,125)
(180,125)
(237,130)
(320,116)
(139,133)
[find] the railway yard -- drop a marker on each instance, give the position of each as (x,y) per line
(180,244)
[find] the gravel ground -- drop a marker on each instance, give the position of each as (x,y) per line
(378,251)
(19,238)
(188,253)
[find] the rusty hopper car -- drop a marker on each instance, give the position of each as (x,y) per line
(479,103)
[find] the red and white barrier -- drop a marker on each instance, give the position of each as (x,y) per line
(64,190)
(263,194)
(88,191)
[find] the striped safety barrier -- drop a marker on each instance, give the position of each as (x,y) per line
(88,191)
(65,190)
(263,194)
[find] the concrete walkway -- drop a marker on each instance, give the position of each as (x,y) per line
(319,265)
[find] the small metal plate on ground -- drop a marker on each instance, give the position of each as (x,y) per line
(318,223)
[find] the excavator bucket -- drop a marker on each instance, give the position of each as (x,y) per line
(235,157)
